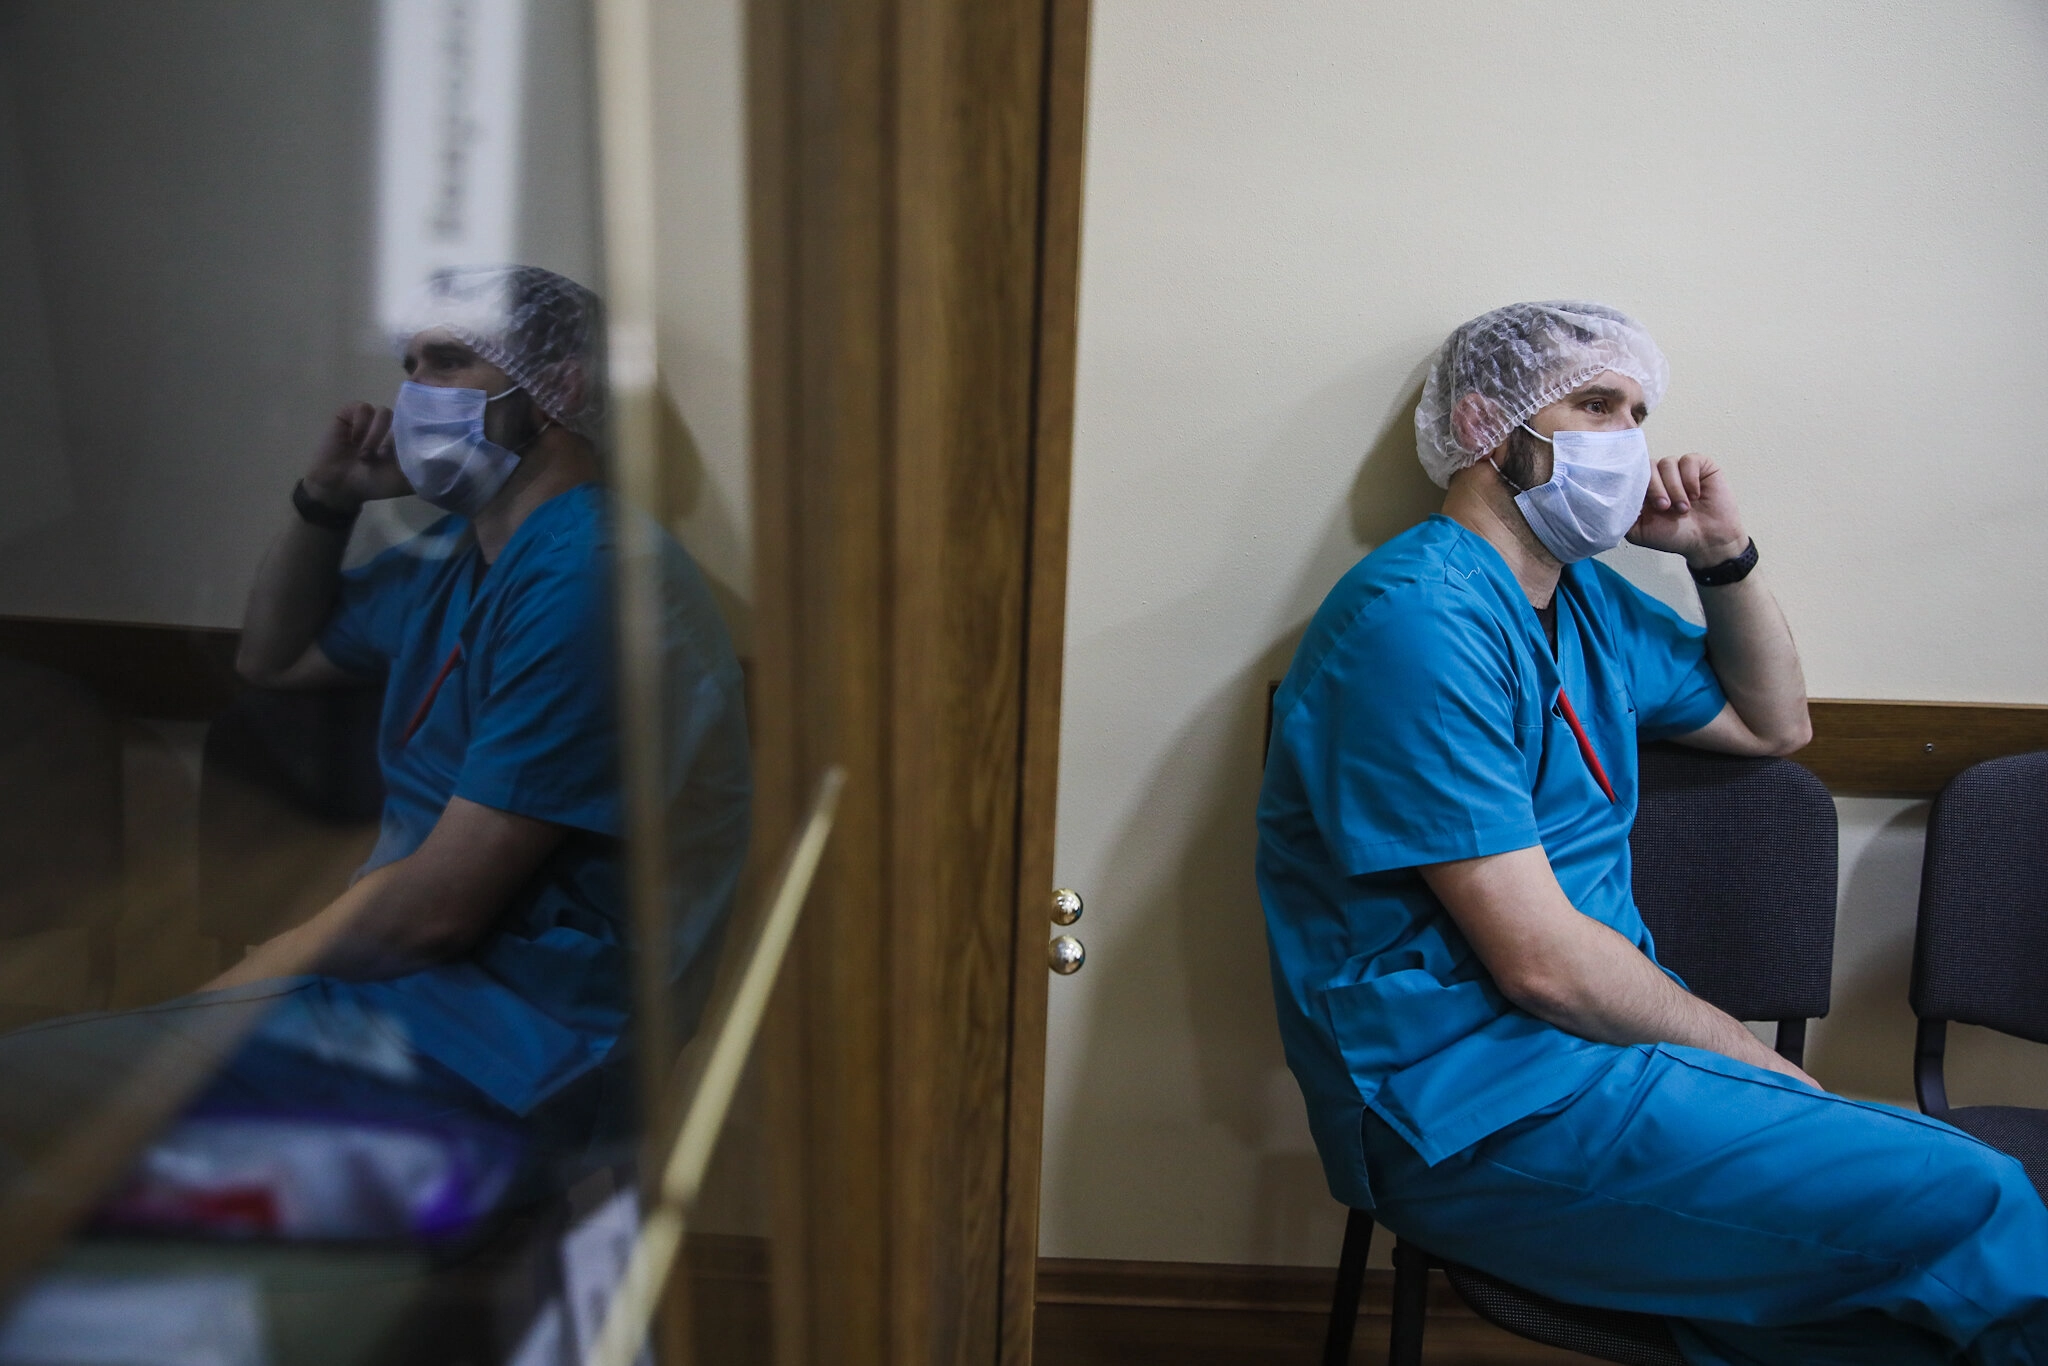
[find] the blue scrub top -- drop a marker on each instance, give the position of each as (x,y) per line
(1420,723)
(499,688)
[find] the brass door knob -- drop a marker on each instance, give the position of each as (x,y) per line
(1066,906)
(1065,955)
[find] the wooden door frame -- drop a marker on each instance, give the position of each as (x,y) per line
(1065,120)
(914,197)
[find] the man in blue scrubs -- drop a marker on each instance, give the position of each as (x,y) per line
(482,948)
(1492,1058)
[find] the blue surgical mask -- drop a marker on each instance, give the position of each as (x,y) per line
(442,449)
(1594,494)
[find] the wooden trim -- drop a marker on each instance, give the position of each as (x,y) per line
(1138,1313)
(729,1285)
(163,673)
(899,239)
(1220,1286)
(1892,749)
(1063,147)
(1911,749)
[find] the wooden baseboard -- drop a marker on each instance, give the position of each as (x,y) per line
(1116,1313)
(1219,1286)
(1113,1313)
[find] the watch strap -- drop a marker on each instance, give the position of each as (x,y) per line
(322,515)
(1728,571)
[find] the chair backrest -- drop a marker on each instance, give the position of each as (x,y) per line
(1735,874)
(60,798)
(314,751)
(288,785)
(1980,954)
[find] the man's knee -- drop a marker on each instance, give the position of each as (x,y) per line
(1966,1191)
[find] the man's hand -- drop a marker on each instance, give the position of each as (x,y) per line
(1690,511)
(1779,1064)
(356,461)
(295,585)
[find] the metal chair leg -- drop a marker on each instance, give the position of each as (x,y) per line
(1350,1279)
(1411,1305)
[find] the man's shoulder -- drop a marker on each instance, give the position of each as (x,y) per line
(1430,572)
(1418,592)
(560,557)
(569,532)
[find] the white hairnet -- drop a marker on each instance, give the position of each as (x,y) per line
(542,329)
(1521,358)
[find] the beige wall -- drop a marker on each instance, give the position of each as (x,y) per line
(1834,218)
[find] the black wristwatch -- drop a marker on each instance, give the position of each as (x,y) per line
(319,514)
(1728,571)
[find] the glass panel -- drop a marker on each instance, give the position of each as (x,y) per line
(725,1288)
(330,1000)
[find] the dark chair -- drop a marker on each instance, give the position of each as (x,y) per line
(289,796)
(1980,953)
(60,818)
(1735,871)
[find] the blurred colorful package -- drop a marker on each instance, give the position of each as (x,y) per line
(315,1177)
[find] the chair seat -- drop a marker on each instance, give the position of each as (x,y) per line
(1606,1334)
(2015,1129)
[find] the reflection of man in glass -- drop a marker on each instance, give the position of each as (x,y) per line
(488,926)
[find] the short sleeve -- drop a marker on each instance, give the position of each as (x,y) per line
(366,629)
(1675,689)
(543,736)
(1405,737)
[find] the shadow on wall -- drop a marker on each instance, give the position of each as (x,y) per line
(1192,1003)
(1391,492)
(1864,1047)
(697,517)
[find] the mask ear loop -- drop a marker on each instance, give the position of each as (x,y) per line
(1503,474)
(523,447)
(527,444)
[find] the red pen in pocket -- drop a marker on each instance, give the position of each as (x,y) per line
(455,657)
(1585,744)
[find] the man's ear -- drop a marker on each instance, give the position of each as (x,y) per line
(1479,424)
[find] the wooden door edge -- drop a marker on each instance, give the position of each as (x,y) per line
(1063,143)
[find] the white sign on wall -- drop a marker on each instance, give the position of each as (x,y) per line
(448,141)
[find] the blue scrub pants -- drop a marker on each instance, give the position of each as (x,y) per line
(1772,1223)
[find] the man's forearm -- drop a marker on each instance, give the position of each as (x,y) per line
(1568,969)
(1603,988)
(1753,655)
(386,925)
(426,908)
(291,595)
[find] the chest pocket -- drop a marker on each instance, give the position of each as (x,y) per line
(1581,756)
